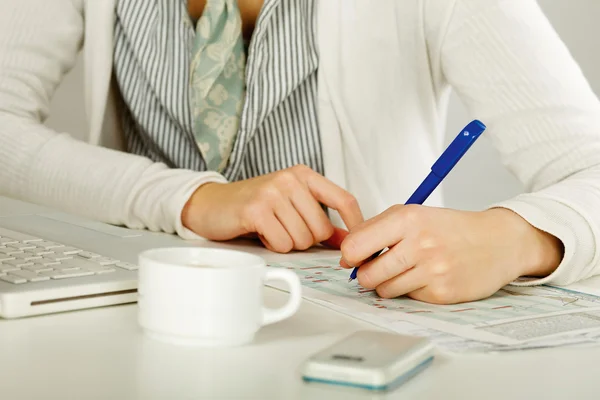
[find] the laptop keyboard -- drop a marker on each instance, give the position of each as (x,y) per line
(25,259)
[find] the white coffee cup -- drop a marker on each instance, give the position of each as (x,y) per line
(208,297)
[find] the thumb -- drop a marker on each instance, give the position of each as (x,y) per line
(335,241)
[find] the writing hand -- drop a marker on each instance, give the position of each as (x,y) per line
(446,256)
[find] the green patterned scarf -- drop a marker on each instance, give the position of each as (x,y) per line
(217,80)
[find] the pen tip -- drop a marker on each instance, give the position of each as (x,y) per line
(350,280)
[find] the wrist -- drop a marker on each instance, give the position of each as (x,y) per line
(535,252)
(197,202)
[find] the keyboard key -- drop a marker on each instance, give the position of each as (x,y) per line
(105,261)
(66,274)
(87,254)
(5,241)
(7,268)
(53,273)
(80,263)
(21,237)
(99,269)
(10,251)
(45,244)
(47,261)
(12,279)
(67,250)
(64,267)
(27,256)
(127,266)
(40,251)
(89,266)
(17,262)
(21,246)
(30,276)
(37,268)
(57,257)
(29,239)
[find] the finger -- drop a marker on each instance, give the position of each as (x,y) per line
(384,230)
(344,264)
(334,197)
(425,294)
(445,295)
(294,225)
(274,235)
(313,214)
(336,239)
(407,282)
(399,259)
(265,243)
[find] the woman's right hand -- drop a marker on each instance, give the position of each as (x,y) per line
(283,208)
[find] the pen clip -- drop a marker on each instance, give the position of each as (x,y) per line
(458,148)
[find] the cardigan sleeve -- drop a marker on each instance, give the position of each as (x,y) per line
(513,72)
(37,48)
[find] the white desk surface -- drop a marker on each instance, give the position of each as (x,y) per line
(102,354)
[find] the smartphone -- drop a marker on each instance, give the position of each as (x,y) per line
(370,360)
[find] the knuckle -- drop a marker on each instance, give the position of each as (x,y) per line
(427,241)
(412,214)
(399,260)
(349,201)
(284,247)
(440,268)
(253,211)
(301,169)
(365,280)
(396,209)
(286,178)
(323,232)
(269,193)
(442,294)
(384,292)
(304,243)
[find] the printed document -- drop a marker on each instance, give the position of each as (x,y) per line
(513,318)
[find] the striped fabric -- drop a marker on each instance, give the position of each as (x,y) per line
(279,125)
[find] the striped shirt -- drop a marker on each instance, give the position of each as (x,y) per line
(278,127)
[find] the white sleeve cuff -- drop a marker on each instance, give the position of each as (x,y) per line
(181,197)
(565,223)
(161,195)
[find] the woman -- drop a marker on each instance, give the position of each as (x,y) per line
(357,91)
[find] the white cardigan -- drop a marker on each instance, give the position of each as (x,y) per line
(386,67)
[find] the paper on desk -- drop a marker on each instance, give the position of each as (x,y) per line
(514,318)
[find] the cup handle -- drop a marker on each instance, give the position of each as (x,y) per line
(270,315)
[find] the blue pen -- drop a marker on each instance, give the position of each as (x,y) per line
(440,169)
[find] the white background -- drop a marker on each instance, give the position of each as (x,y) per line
(480,178)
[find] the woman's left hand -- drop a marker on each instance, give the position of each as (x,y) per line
(446,256)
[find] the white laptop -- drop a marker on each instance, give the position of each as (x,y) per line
(52,261)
